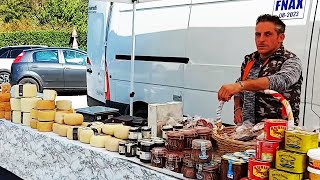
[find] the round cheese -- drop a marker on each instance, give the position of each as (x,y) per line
(85,135)
(59,117)
(17,117)
(5,88)
(73,132)
(7,106)
(49,94)
(5,97)
(27,104)
(15,104)
(34,114)
(62,130)
(64,105)
(25,90)
(33,123)
(46,115)
(44,126)
(99,140)
(109,128)
(73,119)
(26,119)
(1,114)
(55,127)
(1,106)
(45,105)
(67,111)
(121,132)
(112,144)
(7,115)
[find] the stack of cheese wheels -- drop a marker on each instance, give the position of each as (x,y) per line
(5,109)
(46,111)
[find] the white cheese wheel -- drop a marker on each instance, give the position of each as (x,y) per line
(99,140)
(25,90)
(27,104)
(15,104)
(55,127)
(64,105)
(7,115)
(112,144)
(121,132)
(1,114)
(109,128)
(73,132)
(49,94)
(34,114)
(62,130)
(5,97)
(17,117)
(73,119)
(44,126)
(46,115)
(33,123)
(45,105)
(85,135)
(26,119)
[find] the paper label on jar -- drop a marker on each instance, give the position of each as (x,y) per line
(133,135)
(122,149)
(140,135)
(203,155)
(164,135)
(146,134)
(230,172)
(199,176)
(145,155)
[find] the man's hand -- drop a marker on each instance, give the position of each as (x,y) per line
(228,90)
(237,116)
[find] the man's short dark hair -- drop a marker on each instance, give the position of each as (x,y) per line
(280,26)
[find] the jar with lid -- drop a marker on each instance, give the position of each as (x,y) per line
(133,133)
(159,143)
(201,151)
(158,158)
(122,147)
(204,132)
(233,167)
(138,148)
(165,130)
(208,171)
(145,151)
(130,149)
(175,141)
(174,161)
(188,168)
(146,132)
(177,127)
(189,136)
(187,153)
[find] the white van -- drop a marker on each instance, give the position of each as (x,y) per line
(186,49)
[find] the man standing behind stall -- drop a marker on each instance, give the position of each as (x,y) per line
(270,67)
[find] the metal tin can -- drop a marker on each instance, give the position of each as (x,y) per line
(266,150)
(258,170)
(274,129)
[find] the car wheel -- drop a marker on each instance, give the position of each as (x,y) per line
(4,77)
(31,81)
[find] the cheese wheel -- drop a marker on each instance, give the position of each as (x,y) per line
(5,97)
(67,111)
(62,130)
(99,140)
(73,132)
(73,119)
(1,114)
(7,115)
(112,144)
(27,104)
(109,128)
(64,105)
(33,123)
(26,118)
(1,106)
(49,94)
(85,135)
(121,132)
(5,88)
(25,90)
(7,106)
(59,117)
(45,105)
(46,115)
(55,127)
(44,126)
(34,114)
(15,104)
(17,117)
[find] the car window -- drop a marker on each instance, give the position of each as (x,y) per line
(15,52)
(4,54)
(50,56)
(73,57)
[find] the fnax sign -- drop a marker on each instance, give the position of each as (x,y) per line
(289,9)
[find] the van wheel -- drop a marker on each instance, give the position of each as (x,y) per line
(31,81)
(4,77)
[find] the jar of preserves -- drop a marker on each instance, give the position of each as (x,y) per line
(158,157)
(159,143)
(232,167)
(204,132)
(133,133)
(187,153)
(138,148)
(177,127)
(145,151)
(188,168)
(122,147)
(146,132)
(165,130)
(189,136)
(201,151)
(208,171)
(174,161)
(175,141)
(130,149)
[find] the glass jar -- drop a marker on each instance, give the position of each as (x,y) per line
(165,130)
(122,147)
(232,167)
(187,153)
(208,171)
(201,151)
(130,149)
(188,168)
(204,132)
(138,148)
(146,132)
(145,151)
(133,133)
(175,141)
(189,136)
(174,161)
(177,127)
(158,158)
(159,143)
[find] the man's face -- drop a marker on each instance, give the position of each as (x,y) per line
(267,38)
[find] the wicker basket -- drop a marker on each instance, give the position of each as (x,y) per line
(225,145)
